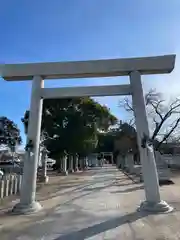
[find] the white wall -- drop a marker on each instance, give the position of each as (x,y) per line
(172,159)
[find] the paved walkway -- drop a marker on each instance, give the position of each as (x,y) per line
(102,206)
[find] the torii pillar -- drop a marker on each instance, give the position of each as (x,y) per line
(28,201)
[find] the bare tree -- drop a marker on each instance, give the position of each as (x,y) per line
(163,117)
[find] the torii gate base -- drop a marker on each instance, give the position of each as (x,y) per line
(101,68)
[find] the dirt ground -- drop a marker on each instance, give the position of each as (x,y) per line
(97,204)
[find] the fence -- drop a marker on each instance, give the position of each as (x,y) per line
(164,172)
(10,185)
(172,160)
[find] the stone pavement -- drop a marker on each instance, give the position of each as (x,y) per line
(102,206)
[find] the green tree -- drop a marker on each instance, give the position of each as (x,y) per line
(127,138)
(71,125)
(9,133)
(79,120)
(106,141)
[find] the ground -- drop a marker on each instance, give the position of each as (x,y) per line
(98,204)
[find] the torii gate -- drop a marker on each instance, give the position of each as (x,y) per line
(132,67)
(108,154)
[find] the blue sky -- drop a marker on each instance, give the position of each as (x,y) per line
(66,30)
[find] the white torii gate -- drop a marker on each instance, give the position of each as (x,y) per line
(133,67)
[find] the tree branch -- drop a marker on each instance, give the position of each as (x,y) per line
(126,104)
(166,136)
(156,108)
(163,118)
(158,111)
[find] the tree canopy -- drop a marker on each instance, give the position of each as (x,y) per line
(127,138)
(71,125)
(124,135)
(9,133)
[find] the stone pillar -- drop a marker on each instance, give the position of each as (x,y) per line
(11,183)
(28,202)
(130,159)
(86,162)
(70,159)
(6,187)
(118,163)
(89,160)
(76,161)
(15,185)
(1,189)
(82,163)
(150,176)
(126,162)
(64,165)
(19,183)
(129,162)
(44,178)
(123,161)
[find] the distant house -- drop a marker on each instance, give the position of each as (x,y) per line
(5,154)
(170,148)
(20,154)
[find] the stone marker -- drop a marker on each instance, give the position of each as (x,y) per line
(1,188)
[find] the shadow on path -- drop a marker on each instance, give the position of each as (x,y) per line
(102,227)
(79,187)
(129,189)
